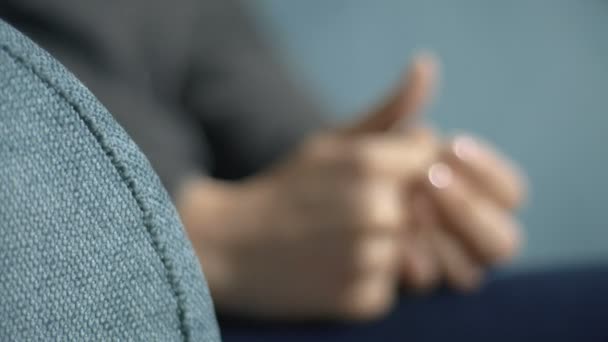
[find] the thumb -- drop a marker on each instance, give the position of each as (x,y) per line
(410,97)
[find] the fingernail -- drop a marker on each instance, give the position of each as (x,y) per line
(440,175)
(465,147)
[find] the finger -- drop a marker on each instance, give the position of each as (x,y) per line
(402,157)
(419,266)
(491,173)
(409,98)
(490,233)
(368,297)
(452,260)
(461,272)
(371,209)
(419,269)
(378,254)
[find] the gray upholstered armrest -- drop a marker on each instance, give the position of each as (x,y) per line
(90,245)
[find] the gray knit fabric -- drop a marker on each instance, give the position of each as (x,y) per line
(90,246)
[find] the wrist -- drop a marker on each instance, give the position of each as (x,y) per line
(221,219)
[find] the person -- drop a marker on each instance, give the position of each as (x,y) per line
(291,219)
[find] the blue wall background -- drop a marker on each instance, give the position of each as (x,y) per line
(531,76)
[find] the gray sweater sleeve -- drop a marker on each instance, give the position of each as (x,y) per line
(252,112)
(190,80)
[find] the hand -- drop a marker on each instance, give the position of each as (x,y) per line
(317,235)
(329,232)
(314,238)
(462,221)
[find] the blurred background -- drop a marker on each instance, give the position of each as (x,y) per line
(530,75)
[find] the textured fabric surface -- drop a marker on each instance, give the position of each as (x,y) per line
(90,246)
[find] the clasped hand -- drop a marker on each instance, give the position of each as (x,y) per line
(353,213)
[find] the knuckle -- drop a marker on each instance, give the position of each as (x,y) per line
(508,244)
(465,280)
(495,233)
(367,304)
(376,255)
(321,147)
(377,211)
(420,278)
(359,161)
